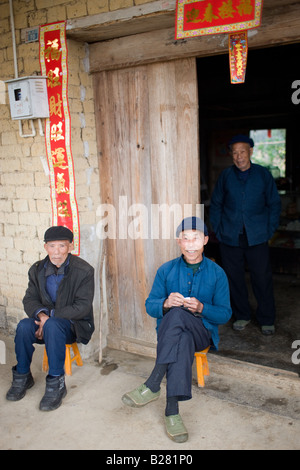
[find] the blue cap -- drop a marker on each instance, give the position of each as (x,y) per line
(192,223)
(241,138)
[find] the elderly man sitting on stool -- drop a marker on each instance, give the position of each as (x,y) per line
(189,298)
(58,302)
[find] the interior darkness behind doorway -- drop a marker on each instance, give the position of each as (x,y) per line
(264,101)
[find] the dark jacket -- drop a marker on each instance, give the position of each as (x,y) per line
(74,300)
(253,204)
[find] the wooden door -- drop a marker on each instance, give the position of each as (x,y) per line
(147,133)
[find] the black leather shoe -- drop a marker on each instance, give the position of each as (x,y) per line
(20,383)
(55,391)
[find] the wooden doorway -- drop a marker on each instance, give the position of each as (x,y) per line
(147,133)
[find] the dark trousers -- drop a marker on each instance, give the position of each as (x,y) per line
(180,334)
(57,333)
(258,261)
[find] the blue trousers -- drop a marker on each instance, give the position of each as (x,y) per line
(258,260)
(180,335)
(57,333)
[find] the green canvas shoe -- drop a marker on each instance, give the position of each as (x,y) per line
(268,330)
(176,430)
(240,325)
(140,396)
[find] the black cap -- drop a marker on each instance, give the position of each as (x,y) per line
(241,138)
(192,223)
(58,233)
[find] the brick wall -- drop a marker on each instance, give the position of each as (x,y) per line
(25,209)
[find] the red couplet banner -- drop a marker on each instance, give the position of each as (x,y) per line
(53,62)
(238,52)
(215,17)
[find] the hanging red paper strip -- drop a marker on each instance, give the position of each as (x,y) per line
(238,51)
(53,62)
(215,17)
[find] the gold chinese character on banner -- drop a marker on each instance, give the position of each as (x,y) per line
(61,184)
(58,158)
(226,10)
(55,106)
(56,132)
(62,209)
(245,7)
(52,52)
(191,16)
(53,78)
(239,61)
(209,14)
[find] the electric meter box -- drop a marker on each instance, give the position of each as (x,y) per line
(28,97)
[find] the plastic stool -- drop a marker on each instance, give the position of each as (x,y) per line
(201,366)
(68,361)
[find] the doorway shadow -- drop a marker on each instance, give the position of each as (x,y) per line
(278,350)
(264,101)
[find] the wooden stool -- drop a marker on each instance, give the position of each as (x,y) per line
(201,366)
(68,361)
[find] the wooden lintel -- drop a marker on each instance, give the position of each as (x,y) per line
(152,16)
(279,26)
(126,21)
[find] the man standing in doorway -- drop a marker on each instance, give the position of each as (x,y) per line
(244,213)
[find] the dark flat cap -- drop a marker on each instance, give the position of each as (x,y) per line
(241,138)
(58,233)
(192,223)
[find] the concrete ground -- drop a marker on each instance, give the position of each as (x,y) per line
(242,406)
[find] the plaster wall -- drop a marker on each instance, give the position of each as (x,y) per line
(25,206)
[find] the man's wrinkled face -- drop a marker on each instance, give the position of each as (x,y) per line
(191,243)
(241,154)
(58,251)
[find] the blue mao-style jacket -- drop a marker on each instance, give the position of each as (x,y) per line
(253,203)
(209,285)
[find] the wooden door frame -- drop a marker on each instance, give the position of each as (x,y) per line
(145,34)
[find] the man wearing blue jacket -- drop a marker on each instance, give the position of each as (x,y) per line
(244,213)
(189,298)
